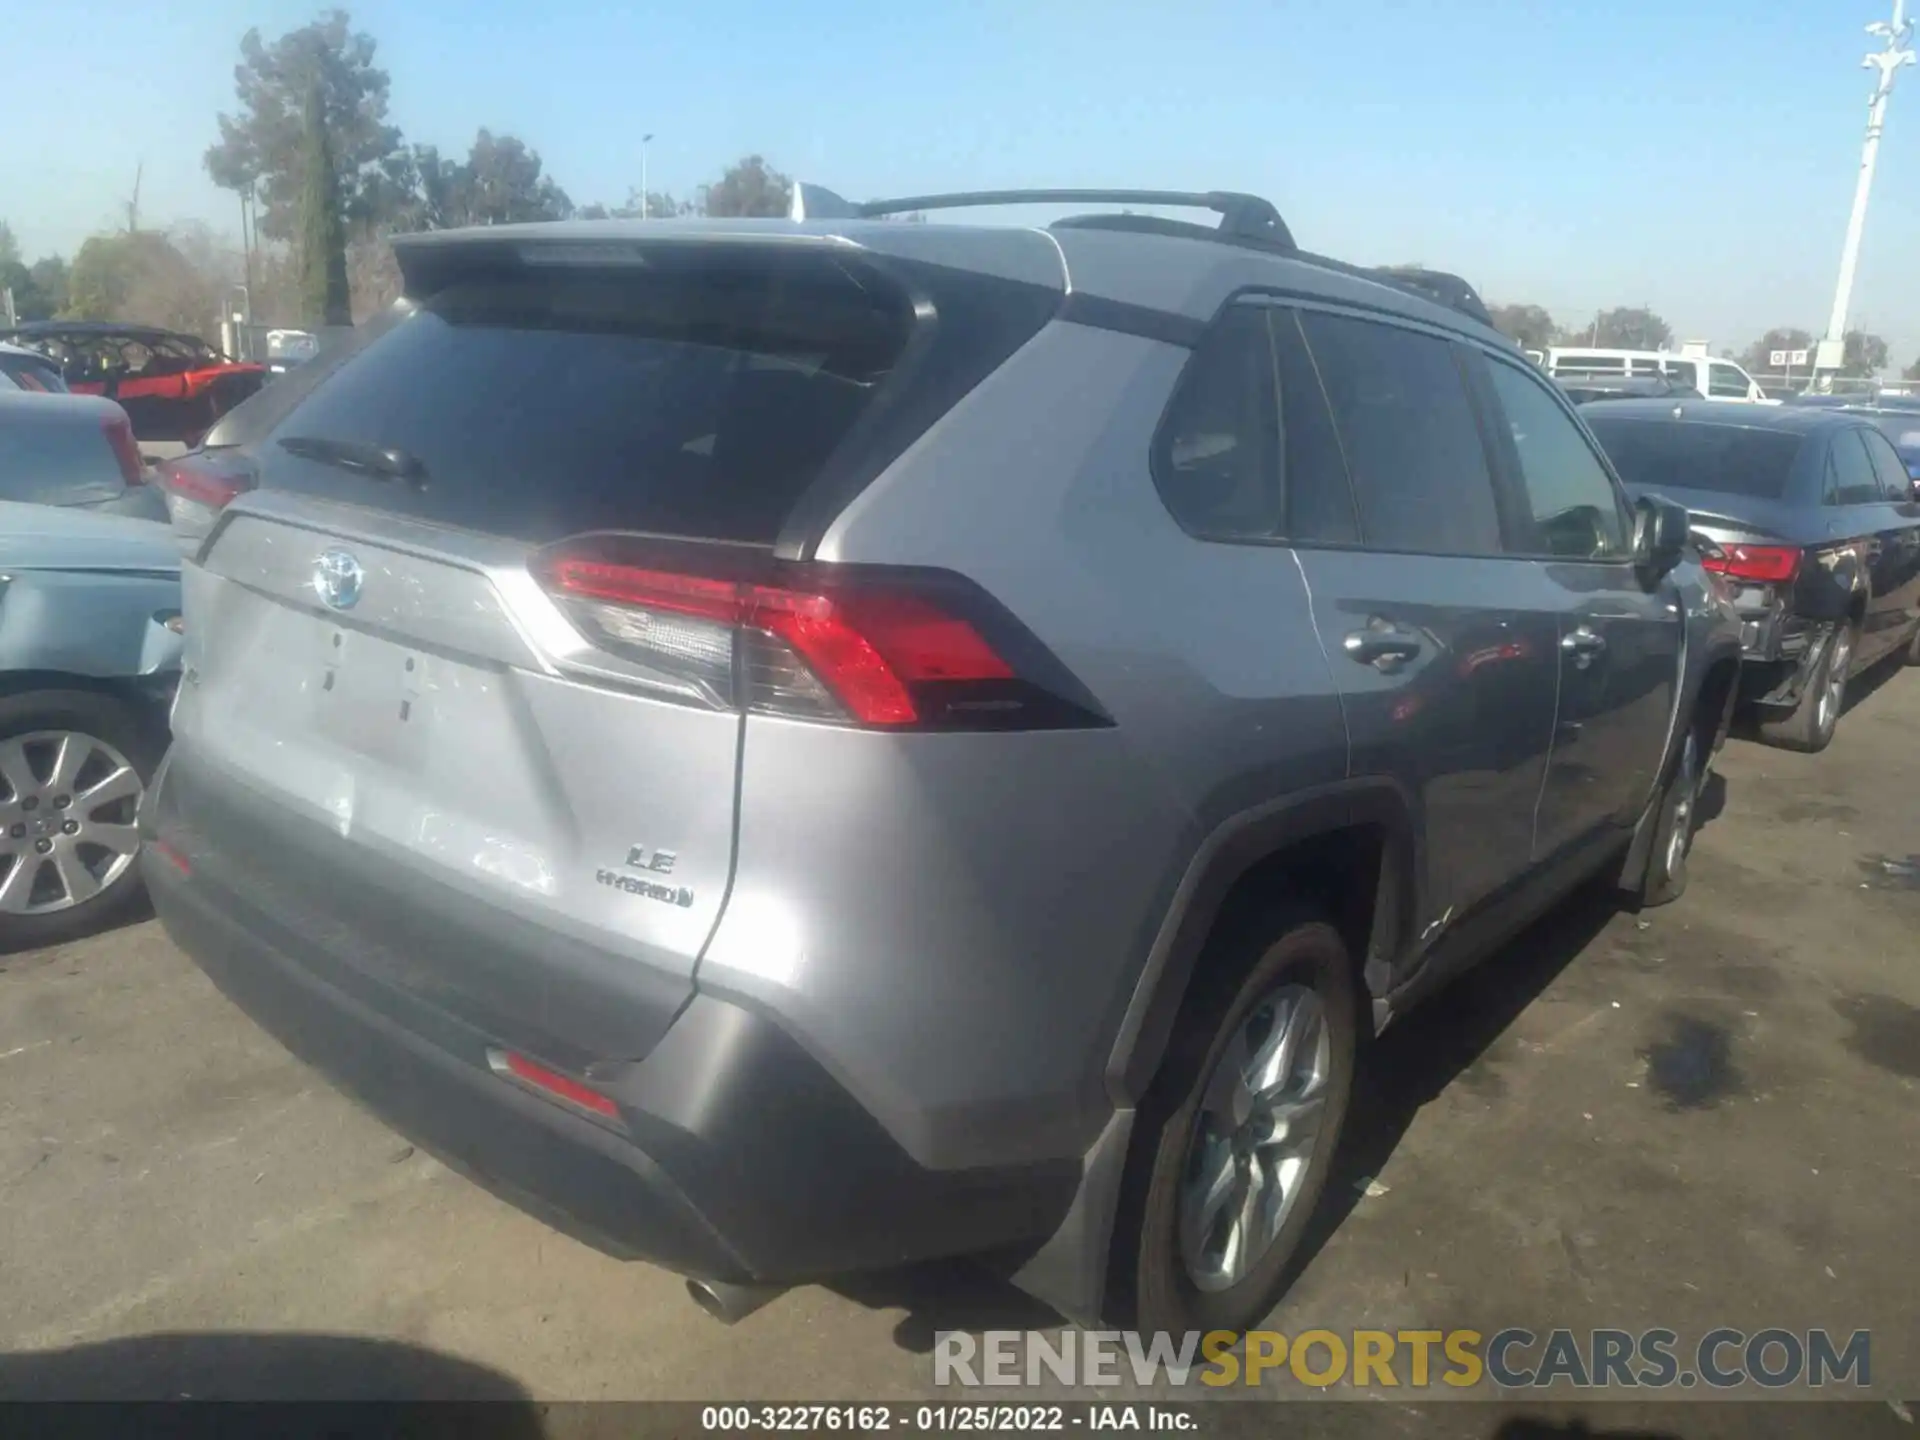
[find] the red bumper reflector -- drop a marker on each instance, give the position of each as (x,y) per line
(172,856)
(572,1091)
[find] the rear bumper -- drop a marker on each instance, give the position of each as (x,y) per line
(735,1156)
(1775,675)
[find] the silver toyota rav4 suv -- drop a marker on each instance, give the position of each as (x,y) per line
(793,747)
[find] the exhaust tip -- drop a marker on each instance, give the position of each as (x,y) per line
(730,1304)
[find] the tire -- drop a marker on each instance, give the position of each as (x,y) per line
(1913,647)
(68,869)
(1666,878)
(1809,726)
(1184,1272)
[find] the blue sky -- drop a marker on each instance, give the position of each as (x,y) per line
(1696,155)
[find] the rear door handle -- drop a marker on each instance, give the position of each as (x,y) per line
(1582,645)
(1383,646)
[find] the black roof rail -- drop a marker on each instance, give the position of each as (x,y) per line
(1245,220)
(1244,216)
(1441,287)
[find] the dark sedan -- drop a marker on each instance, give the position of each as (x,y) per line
(1811,517)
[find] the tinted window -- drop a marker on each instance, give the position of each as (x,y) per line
(1895,483)
(695,398)
(1853,481)
(1660,455)
(1727,381)
(1903,431)
(1412,444)
(1319,498)
(1572,499)
(1645,367)
(1217,461)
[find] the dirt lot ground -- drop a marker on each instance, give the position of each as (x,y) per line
(1707,1115)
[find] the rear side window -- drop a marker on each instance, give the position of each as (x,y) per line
(1217,460)
(1727,381)
(69,463)
(1320,505)
(691,400)
(1654,456)
(1895,483)
(1850,477)
(1683,372)
(1412,444)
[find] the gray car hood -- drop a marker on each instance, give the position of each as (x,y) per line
(50,537)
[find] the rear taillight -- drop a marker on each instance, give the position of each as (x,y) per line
(126,450)
(204,482)
(1765,564)
(879,647)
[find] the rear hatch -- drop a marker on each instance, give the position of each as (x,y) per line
(430,731)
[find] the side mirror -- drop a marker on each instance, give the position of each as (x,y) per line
(1660,533)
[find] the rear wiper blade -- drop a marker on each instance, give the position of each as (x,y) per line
(382,462)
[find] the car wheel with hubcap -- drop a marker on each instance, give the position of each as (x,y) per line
(1233,1145)
(74,766)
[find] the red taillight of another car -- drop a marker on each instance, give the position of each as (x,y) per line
(119,432)
(1761,564)
(202,483)
(874,647)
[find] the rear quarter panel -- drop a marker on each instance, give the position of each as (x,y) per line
(956,923)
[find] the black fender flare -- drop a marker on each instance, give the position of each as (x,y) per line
(1227,854)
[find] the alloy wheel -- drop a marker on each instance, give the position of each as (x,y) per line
(68,804)
(1254,1137)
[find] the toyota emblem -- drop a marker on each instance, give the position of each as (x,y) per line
(337,578)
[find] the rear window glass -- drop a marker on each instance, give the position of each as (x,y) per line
(1656,455)
(69,463)
(679,401)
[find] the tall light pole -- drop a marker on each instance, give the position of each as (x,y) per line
(1888,60)
(645,141)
